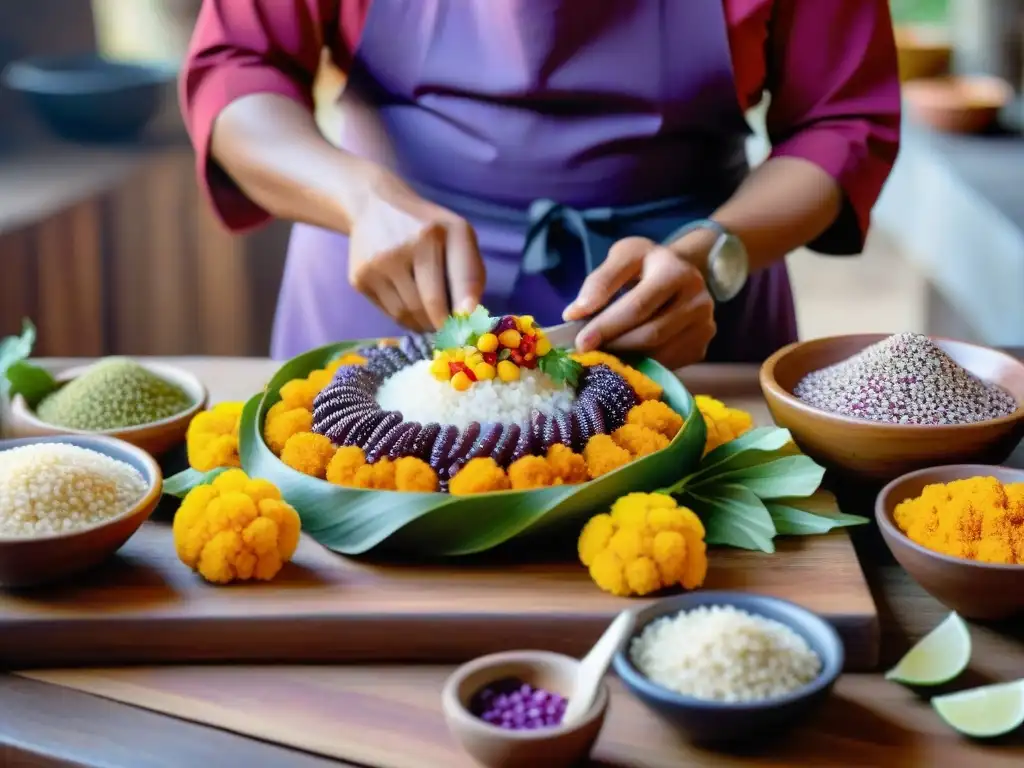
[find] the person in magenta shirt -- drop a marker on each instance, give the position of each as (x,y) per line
(576,159)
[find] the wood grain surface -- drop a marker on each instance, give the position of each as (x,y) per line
(390,715)
(145,607)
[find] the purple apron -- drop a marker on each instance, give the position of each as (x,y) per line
(555,127)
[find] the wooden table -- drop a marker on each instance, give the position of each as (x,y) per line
(868,722)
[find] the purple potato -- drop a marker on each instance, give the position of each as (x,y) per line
(424,442)
(464,443)
(442,447)
(384,436)
(363,429)
(576,441)
(484,447)
(506,444)
(561,430)
(403,445)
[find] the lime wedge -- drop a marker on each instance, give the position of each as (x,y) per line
(991,710)
(938,657)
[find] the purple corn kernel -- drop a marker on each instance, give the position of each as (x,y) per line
(363,429)
(383,437)
(442,447)
(329,414)
(524,446)
(506,445)
(538,424)
(424,442)
(464,443)
(339,432)
(487,442)
(407,344)
(403,445)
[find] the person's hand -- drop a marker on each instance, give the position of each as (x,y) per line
(667,314)
(408,256)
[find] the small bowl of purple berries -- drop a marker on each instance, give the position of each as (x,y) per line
(506,710)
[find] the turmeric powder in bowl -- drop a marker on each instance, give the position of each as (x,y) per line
(977,518)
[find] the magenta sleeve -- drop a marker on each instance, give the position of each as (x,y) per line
(835,102)
(239,48)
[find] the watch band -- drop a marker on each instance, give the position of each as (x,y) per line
(711,224)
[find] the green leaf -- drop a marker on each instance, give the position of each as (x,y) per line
(354,521)
(758,446)
(460,330)
(816,514)
(14,349)
(733,516)
(180,484)
(30,381)
(775,479)
(561,367)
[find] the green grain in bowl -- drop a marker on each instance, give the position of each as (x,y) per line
(113,394)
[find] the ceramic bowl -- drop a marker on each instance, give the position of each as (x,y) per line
(922,51)
(982,591)
(88,98)
(495,747)
(715,722)
(876,452)
(29,562)
(962,104)
(157,437)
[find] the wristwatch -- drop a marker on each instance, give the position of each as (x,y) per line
(727,267)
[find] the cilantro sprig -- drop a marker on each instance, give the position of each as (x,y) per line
(561,367)
(462,330)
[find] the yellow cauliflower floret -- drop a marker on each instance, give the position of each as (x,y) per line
(308,453)
(379,476)
(723,423)
(568,466)
(282,422)
(603,456)
(235,529)
(639,440)
(656,415)
(646,543)
(481,475)
(343,466)
(211,440)
(531,472)
(413,474)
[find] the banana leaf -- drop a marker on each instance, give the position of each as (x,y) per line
(354,521)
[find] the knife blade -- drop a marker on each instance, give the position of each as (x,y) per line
(564,334)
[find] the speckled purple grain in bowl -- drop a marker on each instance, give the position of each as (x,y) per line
(465,701)
(728,723)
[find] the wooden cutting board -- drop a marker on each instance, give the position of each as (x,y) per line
(145,607)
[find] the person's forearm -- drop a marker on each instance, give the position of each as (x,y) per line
(783,205)
(271,147)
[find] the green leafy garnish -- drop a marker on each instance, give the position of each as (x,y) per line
(462,330)
(560,367)
(757,487)
(180,484)
(19,377)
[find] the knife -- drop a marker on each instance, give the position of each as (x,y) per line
(564,334)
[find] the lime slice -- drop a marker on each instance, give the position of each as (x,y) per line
(938,657)
(991,710)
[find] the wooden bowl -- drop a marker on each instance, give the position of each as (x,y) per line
(28,562)
(877,452)
(958,104)
(922,52)
(982,591)
(495,747)
(157,437)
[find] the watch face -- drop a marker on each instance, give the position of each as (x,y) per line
(727,267)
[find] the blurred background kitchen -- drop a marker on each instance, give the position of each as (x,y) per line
(106,243)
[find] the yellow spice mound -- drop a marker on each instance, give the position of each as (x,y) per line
(978,518)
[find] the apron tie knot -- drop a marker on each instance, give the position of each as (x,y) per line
(546,219)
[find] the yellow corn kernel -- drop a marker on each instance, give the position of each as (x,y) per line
(510,339)
(461,382)
(543,346)
(508,371)
(488,342)
(484,371)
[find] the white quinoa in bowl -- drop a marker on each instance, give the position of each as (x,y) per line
(54,488)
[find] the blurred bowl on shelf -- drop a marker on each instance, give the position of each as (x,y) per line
(960,104)
(922,51)
(874,451)
(89,98)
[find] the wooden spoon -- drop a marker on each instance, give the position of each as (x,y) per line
(594,665)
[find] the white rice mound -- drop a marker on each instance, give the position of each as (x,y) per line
(420,397)
(721,653)
(51,488)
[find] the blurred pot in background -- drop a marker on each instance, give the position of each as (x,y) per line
(988,38)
